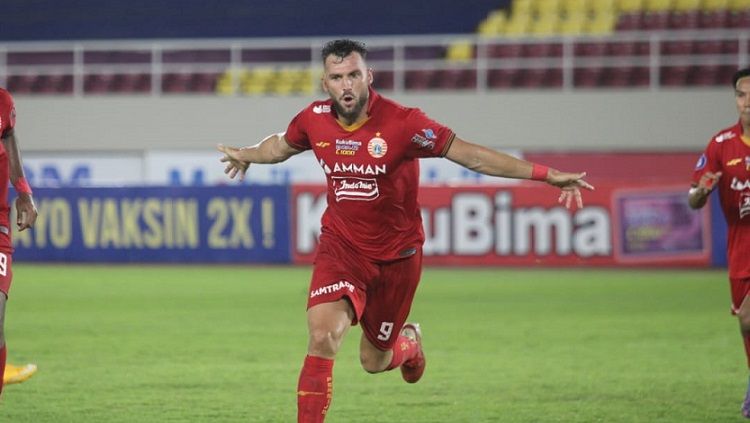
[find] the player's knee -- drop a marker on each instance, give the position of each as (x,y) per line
(744,318)
(372,363)
(324,342)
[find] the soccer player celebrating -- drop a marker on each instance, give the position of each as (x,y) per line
(369,259)
(726,165)
(10,170)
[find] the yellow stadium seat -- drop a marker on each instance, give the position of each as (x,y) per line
(602,6)
(574,7)
(226,85)
(686,5)
(519,25)
(546,25)
(493,24)
(603,23)
(711,5)
(574,24)
(521,7)
(658,5)
(739,5)
(460,51)
(546,7)
(257,81)
(628,6)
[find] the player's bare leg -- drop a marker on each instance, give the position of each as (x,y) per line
(743,314)
(327,325)
(406,353)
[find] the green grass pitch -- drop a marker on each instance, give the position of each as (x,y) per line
(225,344)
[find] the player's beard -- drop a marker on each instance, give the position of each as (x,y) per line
(351,115)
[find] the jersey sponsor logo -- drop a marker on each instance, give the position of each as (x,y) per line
(325,167)
(359,169)
(426,141)
(744,205)
(702,160)
(724,136)
(377,147)
(334,287)
(347,147)
(322,144)
(734,162)
(356,189)
(738,185)
(321,108)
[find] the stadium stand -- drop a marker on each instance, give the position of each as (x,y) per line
(559,44)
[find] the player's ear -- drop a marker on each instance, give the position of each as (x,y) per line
(370,77)
(323,84)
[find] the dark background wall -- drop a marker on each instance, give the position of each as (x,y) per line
(119,19)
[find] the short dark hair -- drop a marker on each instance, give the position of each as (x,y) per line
(742,73)
(343,47)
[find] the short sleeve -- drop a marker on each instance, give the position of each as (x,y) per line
(296,132)
(7,112)
(427,138)
(709,161)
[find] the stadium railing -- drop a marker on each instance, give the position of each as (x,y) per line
(626,59)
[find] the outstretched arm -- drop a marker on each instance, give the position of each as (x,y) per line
(698,195)
(25,209)
(273,149)
(494,163)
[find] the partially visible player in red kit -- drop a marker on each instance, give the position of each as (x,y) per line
(10,170)
(369,259)
(725,165)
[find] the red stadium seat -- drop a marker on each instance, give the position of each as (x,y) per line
(383,80)
(704,76)
(419,79)
(175,83)
(739,19)
(534,50)
(685,19)
(502,78)
(619,76)
(204,83)
(640,77)
(674,76)
(503,51)
(629,21)
(587,77)
(20,84)
(586,49)
(676,47)
(457,79)
(655,21)
(707,47)
(714,19)
(628,48)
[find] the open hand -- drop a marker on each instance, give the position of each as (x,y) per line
(235,166)
(570,184)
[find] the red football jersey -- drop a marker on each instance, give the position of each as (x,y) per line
(372,172)
(7,122)
(729,154)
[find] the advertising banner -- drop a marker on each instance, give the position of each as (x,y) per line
(524,225)
(149,224)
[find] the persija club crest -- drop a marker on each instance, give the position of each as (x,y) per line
(377,147)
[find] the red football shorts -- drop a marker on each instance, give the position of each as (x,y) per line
(6,258)
(380,293)
(740,289)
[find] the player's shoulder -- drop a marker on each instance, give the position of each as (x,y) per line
(5,98)
(726,135)
(397,109)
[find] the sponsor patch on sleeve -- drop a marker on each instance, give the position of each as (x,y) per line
(702,160)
